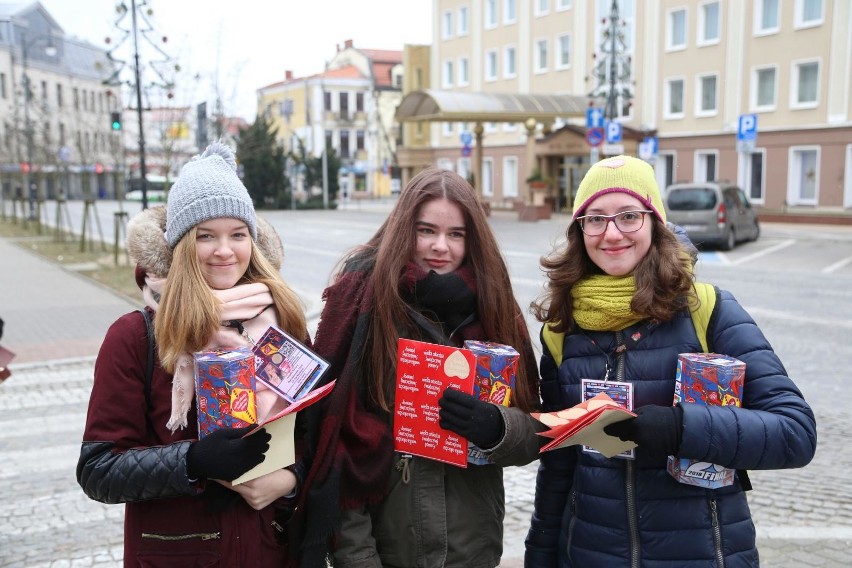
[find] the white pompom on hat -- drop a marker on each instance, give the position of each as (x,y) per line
(208,188)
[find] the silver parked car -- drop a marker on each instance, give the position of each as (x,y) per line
(712,213)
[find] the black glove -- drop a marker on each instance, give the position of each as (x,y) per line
(225,454)
(478,421)
(657,430)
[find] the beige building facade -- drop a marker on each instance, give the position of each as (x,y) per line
(350,106)
(690,71)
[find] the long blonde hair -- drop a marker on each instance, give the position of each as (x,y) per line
(188,314)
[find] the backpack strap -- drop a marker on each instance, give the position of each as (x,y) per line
(149,364)
(704,312)
(553,340)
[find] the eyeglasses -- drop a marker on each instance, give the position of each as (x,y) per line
(626,222)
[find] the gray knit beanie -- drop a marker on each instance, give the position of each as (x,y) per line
(208,188)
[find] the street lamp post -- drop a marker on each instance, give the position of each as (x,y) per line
(50,51)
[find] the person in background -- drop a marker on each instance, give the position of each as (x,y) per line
(619,294)
(208,268)
(432,272)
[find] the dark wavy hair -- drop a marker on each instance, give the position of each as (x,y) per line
(392,247)
(664,278)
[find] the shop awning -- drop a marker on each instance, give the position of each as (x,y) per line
(458,106)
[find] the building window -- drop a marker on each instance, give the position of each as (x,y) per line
(510,176)
(329,139)
(706,102)
(344,105)
(490,14)
(61,134)
(464,72)
(359,102)
(763,89)
(359,139)
(510,64)
(805,88)
(674,98)
(563,51)
(448,73)
(463,168)
(326,100)
(542,7)
(706,165)
(447,25)
(803,175)
(808,13)
(510,11)
(767,16)
(676,30)
(752,175)
(488,176)
(447,128)
(708,23)
(491,65)
(2,85)
(344,144)
(541,56)
(562,5)
(463,25)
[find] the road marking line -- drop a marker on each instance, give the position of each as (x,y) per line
(714,257)
(793,318)
(837,265)
(780,246)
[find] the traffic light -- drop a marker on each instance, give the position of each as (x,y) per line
(115,120)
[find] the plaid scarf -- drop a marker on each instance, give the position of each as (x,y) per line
(352,453)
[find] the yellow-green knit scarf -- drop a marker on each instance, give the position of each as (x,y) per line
(602,302)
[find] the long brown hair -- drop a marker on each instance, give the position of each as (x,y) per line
(392,247)
(188,313)
(663,278)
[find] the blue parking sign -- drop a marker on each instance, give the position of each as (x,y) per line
(594,117)
(613,132)
(747,127)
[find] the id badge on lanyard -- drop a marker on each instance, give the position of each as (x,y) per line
(622,393)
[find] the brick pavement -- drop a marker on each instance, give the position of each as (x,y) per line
(803,517)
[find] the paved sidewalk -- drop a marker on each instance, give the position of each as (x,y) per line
(55,321)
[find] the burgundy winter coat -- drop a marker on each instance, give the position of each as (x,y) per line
(129,456)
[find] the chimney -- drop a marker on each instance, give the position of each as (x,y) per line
(347,44)
(288,75)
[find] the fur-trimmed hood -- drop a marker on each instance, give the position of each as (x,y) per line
(147,246)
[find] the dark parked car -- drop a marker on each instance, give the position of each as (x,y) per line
(712,213)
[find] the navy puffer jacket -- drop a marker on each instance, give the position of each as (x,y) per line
(594,511)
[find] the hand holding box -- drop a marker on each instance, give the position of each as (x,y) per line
(709,379)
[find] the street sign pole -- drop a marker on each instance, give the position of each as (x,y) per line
(594,155)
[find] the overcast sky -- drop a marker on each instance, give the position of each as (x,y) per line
(246,44)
